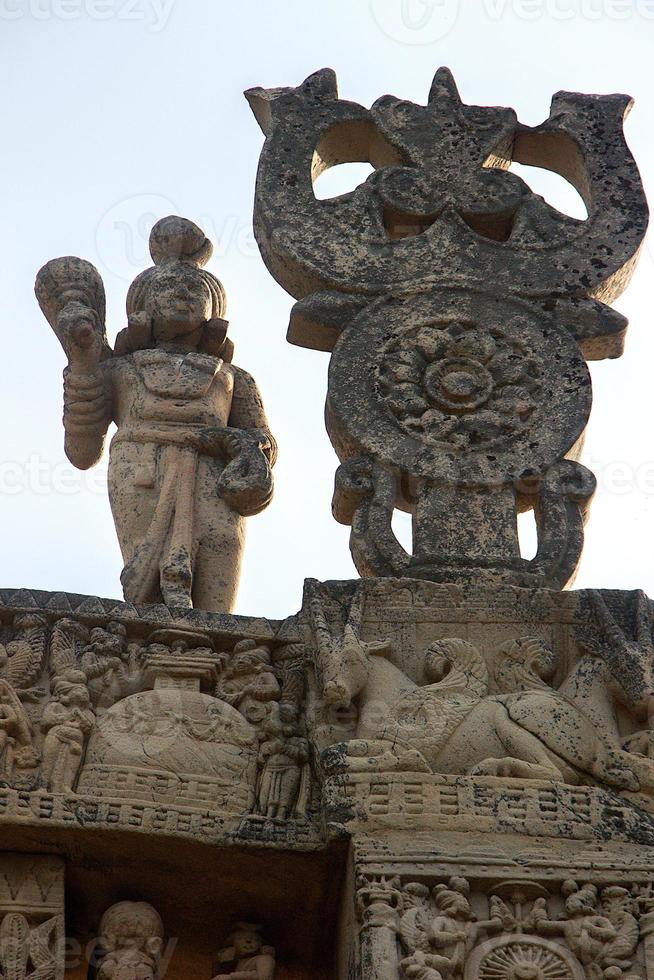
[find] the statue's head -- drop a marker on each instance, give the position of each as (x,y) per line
(579,900)
(132,925)
(414,895)
(245,940)
(70,689)
(452,899)
(176,302)
(248,657)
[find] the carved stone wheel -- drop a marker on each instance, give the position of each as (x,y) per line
(451,384)
(522,959)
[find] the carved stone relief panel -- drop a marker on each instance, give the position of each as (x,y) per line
(32,939)
(467,928)
(118,715)
(436,703)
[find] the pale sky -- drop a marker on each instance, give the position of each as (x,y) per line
(117,112)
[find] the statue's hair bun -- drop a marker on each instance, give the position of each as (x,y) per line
(178,239)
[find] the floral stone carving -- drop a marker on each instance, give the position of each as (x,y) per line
(460,310)
(31,917)
(193,454)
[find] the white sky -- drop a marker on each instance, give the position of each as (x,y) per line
(116,112)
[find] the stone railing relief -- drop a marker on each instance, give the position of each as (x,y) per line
(193,453)
(458,387)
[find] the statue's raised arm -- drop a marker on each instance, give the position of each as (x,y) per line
(193,454)
(71,294)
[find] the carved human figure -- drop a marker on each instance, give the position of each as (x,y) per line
(131,942)
(414,933)
(248,682)
(246,956)
(193,454)
(283,760)
(67,722)
(618,905)
(17,748)
(416,915)
(589,934)
(451,933)
(113,666)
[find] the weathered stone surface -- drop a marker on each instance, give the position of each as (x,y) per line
(32,916)
(251,756)
(193,454)
(427,774)
(459,308)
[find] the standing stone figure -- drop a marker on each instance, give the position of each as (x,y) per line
(67,722)
(192,455)
(283,759)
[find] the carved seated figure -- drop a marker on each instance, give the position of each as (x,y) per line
(452,725)
(193,454)
(131,942)
(246,954)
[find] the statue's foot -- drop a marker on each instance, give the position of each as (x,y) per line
(623,777)
(515,768)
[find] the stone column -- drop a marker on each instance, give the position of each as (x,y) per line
(378,903)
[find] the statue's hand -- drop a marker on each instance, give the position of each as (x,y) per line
(81,336)
(246,483)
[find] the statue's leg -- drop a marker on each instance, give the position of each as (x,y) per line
(572,742)
(133,495)
(219,542)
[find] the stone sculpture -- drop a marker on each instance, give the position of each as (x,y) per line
(246,955)
(452,724)
(459,308)
(131,942)
(193,454)
(67,722)
(441,771)
(31,917)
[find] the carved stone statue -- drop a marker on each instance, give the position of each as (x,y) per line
(193,454)
(458,389)
(283,759)
(249,683)
(452,724)
(590,935)
(131,942)
(67,722)
(245,957)
(440,949)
